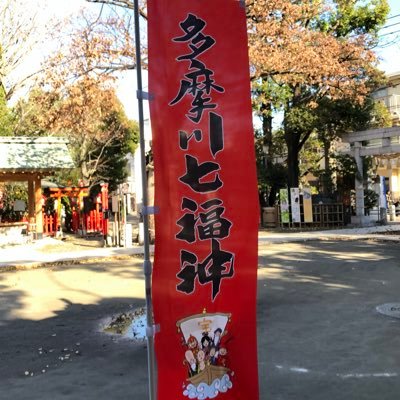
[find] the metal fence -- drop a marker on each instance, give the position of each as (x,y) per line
(324,215)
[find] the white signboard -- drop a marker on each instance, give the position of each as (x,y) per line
(283,195)
(19,205)
(114,203)
(382,193)
(295,202)
(307,205)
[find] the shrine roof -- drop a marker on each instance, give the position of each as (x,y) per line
(36,154)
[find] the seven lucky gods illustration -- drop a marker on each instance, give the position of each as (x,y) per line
(206,355)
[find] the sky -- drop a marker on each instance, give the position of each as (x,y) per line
(57,9)
(389,55)
(126,87)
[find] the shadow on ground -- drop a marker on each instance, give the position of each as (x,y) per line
(320,336)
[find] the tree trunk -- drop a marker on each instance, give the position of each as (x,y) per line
(269,155)
(82,162)
(292,142)
(292,138)
(267,133)
(272,196)
(293,167)
(85,174)
(327,178)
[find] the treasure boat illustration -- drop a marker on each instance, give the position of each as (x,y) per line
(206,354)
(209,375)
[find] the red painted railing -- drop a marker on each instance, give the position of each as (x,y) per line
(50,224)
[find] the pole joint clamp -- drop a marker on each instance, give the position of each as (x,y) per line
(149,210)
(152,330)
(147,267)
(142,95)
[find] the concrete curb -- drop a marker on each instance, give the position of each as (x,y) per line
(377,238)
(49,264)
(39,260)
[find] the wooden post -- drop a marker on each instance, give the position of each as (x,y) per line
(38,207)
(359,184)
(31,201)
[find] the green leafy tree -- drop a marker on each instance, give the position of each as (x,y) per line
(9,192)
(95,124)
(345,167)
(271,174)
(125,141)
(312,50)
(336,117)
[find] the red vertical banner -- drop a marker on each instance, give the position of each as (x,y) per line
(205,268)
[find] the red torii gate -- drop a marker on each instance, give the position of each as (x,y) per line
(95,220)
(51,223)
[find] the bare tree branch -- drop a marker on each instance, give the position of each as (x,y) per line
(122,3)
(20,34)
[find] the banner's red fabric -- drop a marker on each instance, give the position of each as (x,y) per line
(205,269)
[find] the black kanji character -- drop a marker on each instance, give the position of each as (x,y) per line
(199,79)
(213,226)
(202,78)
(199,104)
(186,87)
(198,84)
(189,204)
(187,222)
(216,133)
(209,225)
(217,266)
(211,203)
(199,44)
(195,172)
(187,273)
(184,138)
(192,25)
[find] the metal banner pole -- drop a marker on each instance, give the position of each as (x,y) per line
(147,265)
